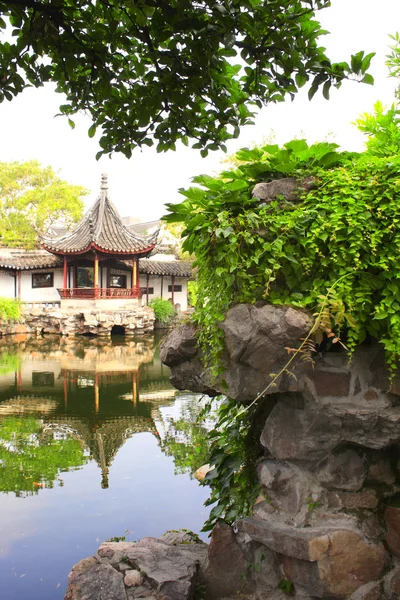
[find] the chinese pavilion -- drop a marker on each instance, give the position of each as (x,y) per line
(98,243)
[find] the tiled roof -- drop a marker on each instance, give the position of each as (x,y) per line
(102,229)
(177,268)
(24,259)
(41,259)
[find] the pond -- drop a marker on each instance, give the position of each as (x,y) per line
(94,444)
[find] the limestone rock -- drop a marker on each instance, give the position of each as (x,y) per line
(225,565)
(343,471)
(289,187)
(370,591)
(287,487)
(392,517)
(366,498)
(313,432)
(322,562)
(133,578)
(90,580)
(391,584)
(170,570)
(255,340)
(201,472)
(180,536)
(179,346)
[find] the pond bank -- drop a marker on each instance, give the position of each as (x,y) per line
(49,320)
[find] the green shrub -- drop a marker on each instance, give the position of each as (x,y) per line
(163,310)
(10,310)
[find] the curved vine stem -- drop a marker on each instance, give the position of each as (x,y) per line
(300,348)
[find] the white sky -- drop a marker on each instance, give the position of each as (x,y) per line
(140,186)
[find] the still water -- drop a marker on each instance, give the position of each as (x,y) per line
(94,443)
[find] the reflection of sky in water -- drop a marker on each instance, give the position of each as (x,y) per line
(44,534)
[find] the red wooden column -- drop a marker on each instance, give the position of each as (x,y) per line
(137,282)
(96,275)
(135,277)
(65,285)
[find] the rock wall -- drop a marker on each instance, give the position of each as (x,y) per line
(67,322)
(327,522)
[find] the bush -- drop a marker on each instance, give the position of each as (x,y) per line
(10,310)
(163,310)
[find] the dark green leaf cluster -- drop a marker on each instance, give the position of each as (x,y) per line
(347,229)
(235,448)
(157,72)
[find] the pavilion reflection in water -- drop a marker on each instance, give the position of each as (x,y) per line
(93,391)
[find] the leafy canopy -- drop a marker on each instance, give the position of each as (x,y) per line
(157,72)
(32,199)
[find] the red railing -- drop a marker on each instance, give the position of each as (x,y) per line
(99,293)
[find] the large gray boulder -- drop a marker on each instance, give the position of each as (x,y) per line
(151,568)
(256,342)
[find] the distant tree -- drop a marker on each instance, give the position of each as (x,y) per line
(154,71)
(32,199)
(382,126)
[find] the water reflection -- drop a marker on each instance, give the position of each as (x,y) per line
(94,441)
(66,401)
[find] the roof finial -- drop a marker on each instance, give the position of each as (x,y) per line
(104,181)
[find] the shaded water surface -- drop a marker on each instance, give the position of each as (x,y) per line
(94,443)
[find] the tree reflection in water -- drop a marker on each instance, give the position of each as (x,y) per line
(32,457)
(186,437)
(64,402)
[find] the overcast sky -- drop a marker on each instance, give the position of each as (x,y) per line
(140,186)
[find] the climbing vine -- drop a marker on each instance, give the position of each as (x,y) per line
(292,252)
(333,250)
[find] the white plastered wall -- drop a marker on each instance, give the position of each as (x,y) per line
(160,286)
(7,285)
(50,294)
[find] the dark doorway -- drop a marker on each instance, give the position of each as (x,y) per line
(118,330)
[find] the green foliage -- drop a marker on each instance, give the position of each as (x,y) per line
(116,538)
(346,229)
(10,309)
(32,199)
(235,448)
(158,72)
(9,362)
(333,251)
(31,458)
(383,130)
(193,288)
(286,586)
(393,60)
(163,310)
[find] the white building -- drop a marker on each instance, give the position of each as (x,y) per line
(101,263)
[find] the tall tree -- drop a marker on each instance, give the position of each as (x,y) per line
(32,200)
(153,71)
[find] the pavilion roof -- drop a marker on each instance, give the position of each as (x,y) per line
(101,229)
